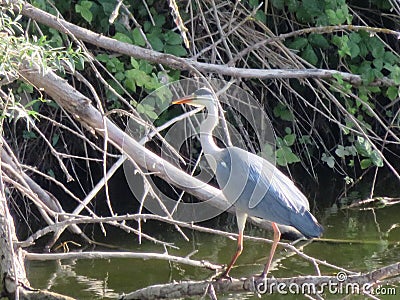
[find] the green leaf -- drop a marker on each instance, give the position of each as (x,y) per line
(338,77)
(140,108)
(138,76)
(279,142)
(51,173)
(134,63)
(172,38)
(130,84)
(312,7)
(107,5)
(318,40)
(340,16)
(279,4)
(138,38)
(26,87)
(285,156)
(260,16)
(363,146)
(147,110)
(288,130)
(293,5)
(309,55)
(390,58)
(176,50)
(354,49)
(54,139)
(289,139)
(268,152)
(114,65)
(376,47)
(103,57)
(332,17)
(341,151)
(376,159)
(378,63)
(115,86)
(122,38)
(328,159)
(28,135)
(305,139)
(281,111)
(366,71)
(119,76)
(298,43)
(159,20)
(395,74)
(147,26)
(355,37)
(145,66)
(351,150)
(151,114)
(253,3)
(365,163)
(83,8)
(155,42)
(393,92)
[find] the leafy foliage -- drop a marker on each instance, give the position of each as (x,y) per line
(361,52)
(334,122)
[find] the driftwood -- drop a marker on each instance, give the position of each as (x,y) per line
(341,284)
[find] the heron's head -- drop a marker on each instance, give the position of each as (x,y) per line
(200,98)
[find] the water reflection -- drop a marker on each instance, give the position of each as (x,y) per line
(374,243)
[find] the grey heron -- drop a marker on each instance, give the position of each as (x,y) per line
(254,186)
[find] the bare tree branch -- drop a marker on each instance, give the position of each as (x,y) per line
(119,254)
(176,62)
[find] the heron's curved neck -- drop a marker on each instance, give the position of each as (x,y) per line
(207,128)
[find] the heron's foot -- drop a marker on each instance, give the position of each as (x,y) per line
(262,278)
(222,277)
(263,275)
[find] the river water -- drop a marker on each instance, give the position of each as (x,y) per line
(358,241)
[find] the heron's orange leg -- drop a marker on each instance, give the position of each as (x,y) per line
(239,250)
(277,237)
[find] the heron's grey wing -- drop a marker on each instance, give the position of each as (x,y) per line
(274,192)
(283,203)
(256,187)
(249,178)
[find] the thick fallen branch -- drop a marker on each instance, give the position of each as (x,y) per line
(341,284)
(12,269)
(173,61)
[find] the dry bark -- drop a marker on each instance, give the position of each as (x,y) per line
(278,286)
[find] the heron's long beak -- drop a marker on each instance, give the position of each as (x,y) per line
(185,100)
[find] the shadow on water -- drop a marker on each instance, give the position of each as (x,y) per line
(356,240)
